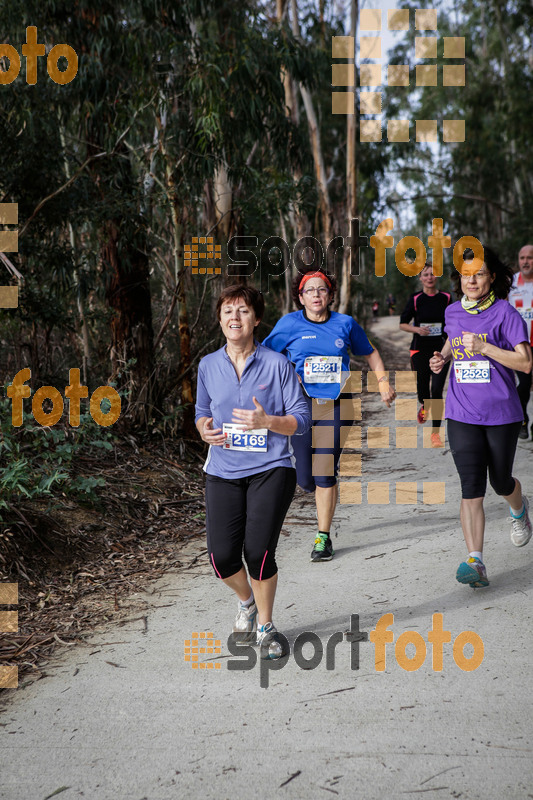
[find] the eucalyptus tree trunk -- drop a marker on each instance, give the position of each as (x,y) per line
(288,273)
(124,250)
(299,222)
(503,36)
(351,181)
(79,299)
(184,333)
(132,337)
(318,158)
(222,196)
(291,105)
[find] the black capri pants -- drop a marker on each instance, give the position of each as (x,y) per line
(334,418)
(247,513)
(476,448)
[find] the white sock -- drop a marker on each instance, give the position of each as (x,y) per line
(247,603)
(476,554)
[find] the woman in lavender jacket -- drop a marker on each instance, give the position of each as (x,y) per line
(249,403)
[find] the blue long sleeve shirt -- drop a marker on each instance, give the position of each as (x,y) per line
(268,377)
(300,339)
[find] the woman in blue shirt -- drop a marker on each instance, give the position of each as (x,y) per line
(318,342)
(248,403)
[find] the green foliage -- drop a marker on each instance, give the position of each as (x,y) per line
(41,463)
(165,94)
(482,187)
(169,92)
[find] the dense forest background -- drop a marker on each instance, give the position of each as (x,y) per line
(213,118)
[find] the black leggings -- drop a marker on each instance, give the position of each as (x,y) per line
(476,448)
(247,512)
(429,385)
(524,389)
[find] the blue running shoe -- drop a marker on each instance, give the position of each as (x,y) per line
(473,572)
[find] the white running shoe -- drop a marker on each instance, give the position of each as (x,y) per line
(269,642)
(521,528)
(245,623)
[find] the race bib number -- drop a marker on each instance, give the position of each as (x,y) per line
(433,328)
(323,369)
(472,371)
(254,441)
(525,313)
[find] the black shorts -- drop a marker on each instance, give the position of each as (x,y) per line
(247,514)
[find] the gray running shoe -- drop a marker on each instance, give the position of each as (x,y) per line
(521,528)
(245,623)
(269,642)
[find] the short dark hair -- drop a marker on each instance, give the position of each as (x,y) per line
(503,274)
(295,286)
(252,297)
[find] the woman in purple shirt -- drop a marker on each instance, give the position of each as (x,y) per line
(487,340)
(249,403)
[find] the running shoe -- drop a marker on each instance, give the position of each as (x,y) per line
(422,415)
(523,431)
(269,642)
(521,528)
(245,623)
(323,549)
(473,572)
(436,441)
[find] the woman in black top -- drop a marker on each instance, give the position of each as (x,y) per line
(426,309)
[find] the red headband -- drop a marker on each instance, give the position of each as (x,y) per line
(317,274)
